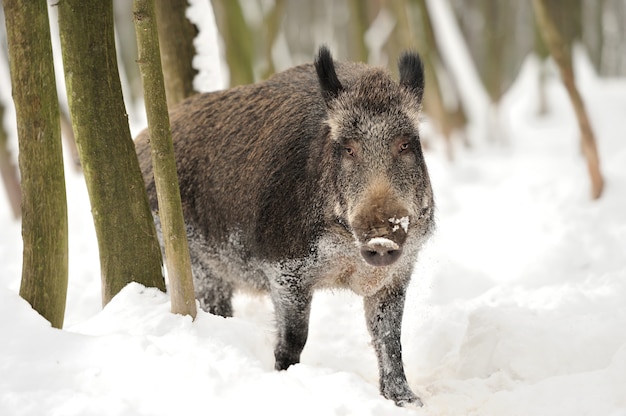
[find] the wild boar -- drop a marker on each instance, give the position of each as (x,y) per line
(314,178)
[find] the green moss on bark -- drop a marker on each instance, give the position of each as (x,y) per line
(44,206)
(128,246)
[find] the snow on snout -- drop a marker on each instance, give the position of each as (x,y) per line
(397,223)
(383,243)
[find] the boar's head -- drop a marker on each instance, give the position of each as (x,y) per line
(382,189)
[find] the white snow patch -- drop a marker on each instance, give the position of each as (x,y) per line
(402,222)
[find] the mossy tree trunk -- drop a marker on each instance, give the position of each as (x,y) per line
(44,205)
(560,50)
(127,241)
(163,161)
(176,35)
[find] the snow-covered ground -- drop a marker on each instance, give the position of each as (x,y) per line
(517,305)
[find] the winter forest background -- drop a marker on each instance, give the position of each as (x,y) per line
(518,303)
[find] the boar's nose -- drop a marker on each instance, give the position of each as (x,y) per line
(380,251)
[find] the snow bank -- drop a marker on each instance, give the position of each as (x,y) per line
(135,358)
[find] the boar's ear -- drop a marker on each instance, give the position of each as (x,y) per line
(325,67)
(411,71)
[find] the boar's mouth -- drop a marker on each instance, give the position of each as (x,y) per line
(380,252)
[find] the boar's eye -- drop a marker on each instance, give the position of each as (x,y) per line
(404,146)
(349,149)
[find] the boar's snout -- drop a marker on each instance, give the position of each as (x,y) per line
(381,251)
(381,225)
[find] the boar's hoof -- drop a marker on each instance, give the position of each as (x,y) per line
(402,397)
(381,252)
(414,403)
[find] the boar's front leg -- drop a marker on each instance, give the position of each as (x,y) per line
(383,312)
(292,306)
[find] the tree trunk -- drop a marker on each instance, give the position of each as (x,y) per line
(8,171)
(542,52)
(560,51)
(44,205)
(359,23)
(592,31)
(496,42)
(127,242)
(237,39)
(446,116)
(176,35)
(272,25)
(163,161)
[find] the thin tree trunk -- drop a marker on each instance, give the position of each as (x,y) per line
(359,19)
(163,161)
(495,39)
(8,171)
(127,241)
(433,96)
(561,54)
(542,52)
(272,26)
(176,35)
(44,205)
(592,31)
(238,40)
(447,119)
